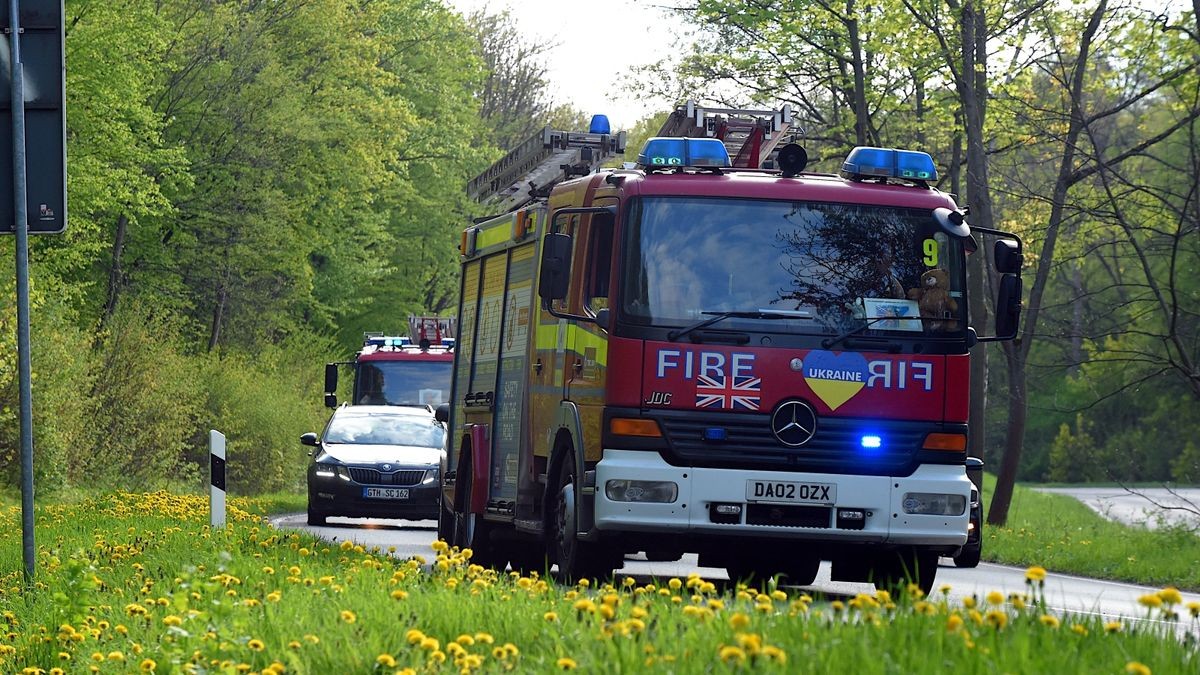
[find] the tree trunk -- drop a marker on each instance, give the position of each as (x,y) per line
(861,113)
(214,336)
(1017,408)
(114,270)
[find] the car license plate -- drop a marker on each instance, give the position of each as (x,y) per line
(385,493)
(787,491)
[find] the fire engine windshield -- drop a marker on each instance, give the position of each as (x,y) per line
(403,383)
(828,268)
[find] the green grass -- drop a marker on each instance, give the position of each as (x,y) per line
(1061,534)
(130,582)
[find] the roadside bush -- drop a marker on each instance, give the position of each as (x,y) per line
(262,403)
(145,402)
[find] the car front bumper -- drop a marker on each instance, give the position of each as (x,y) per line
(335,496)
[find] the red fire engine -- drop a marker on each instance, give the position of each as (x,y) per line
(400,370)
(765,367)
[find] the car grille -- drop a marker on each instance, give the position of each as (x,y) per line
(749,443)
(377,477)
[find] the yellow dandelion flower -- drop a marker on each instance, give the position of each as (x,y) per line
(1035,573)
(116,656)
(774,654)
(995,598)
(550,616)
(346,545)
(274,596)
(386,660)
(437,655)
(172,620)
(566,664)
(996,618)
(348,616)
(399,594)
(440,546)
(1135,668)
(294,644)
(294,571)
(499,653)
(1150,600)
(1113,627)
(147,665)
(510,649)
(924,607)
(584,583)
(837,606)
(430,644)
(607,612)
(953,623)
(312,639)
(1049,620)
(255,645)
(969,602)
(465,640)
(1079,629)
(268,569)
(585,605)
(731,654)
(675,584)
(1170,596)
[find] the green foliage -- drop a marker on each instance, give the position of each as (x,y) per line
(145,403)
(1069,455)
(262,403)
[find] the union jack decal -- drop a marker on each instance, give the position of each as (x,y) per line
(728,393)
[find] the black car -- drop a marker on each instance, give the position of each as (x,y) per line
(376,461)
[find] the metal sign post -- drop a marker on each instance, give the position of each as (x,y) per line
(48,168)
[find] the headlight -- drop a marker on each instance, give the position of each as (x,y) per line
(663,491)
(934,504)
(431,475)
(326,470)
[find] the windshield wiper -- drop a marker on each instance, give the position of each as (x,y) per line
(754,314)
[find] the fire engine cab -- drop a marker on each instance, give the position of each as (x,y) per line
(763,366)
(400,370)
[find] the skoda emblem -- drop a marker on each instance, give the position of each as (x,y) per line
(794,423)
(387,467)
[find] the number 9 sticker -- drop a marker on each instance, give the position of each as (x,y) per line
(930,247)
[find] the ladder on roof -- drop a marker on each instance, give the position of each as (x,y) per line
(548,157)
(749,135)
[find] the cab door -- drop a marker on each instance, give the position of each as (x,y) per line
(587,343)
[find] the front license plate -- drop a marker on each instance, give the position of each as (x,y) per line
(790,492)
(385,493)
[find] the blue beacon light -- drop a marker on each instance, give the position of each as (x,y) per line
(599,125)
(889,163)
(665,152)
(871,442)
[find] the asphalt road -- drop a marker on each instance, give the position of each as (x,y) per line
(1145,507)
(1064,594)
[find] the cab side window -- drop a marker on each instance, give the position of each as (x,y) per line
(599,265)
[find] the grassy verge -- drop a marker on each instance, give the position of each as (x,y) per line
(137,582)
(1061,534)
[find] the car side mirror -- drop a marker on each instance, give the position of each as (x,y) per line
(309,439)
(1008,307)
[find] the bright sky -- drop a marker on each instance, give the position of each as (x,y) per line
(605,39)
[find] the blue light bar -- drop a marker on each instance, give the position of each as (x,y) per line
(599,125)
(871,441)
(889,163)
(715,434)
(699,152)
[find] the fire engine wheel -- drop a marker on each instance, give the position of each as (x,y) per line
(896,570)
(473,532)
(445,530)
(969,557)
(576,559)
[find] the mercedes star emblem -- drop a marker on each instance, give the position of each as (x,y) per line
(794,423)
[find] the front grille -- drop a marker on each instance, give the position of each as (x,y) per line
(377,477)
(787,515)
(836,447)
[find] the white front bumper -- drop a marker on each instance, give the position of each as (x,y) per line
(879,496)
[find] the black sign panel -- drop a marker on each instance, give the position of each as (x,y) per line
(43,61)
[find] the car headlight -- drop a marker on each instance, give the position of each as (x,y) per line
(431,475)
(328,470)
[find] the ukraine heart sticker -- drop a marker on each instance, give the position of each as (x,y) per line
(835,378)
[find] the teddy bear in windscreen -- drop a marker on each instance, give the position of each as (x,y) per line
(933,297)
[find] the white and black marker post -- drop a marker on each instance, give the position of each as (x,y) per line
(216,495)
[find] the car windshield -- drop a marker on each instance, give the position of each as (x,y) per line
(403,383)
(384,429)
(828,267)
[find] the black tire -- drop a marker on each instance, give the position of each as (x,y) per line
(472,531)
(445,531)
(314,518)
(968,557)
(575,559)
